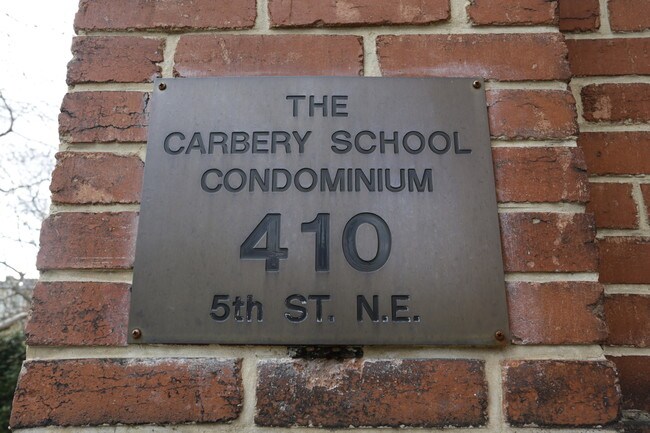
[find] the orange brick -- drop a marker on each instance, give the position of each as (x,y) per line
(548,242)
(561,393)
(540,56)
(616,152)
(626,56)
(332,13)
(627,319)
(531,114)
(232,55)
(90,178)
(613,206)
(79,314)
(616,103)
(556,313)
(624,260)
(76,240)
(334,394)
(512,12)
(104,117)
(579,15)
(549,174)
(109,59)
(629,15)
(171,15)
(81,392)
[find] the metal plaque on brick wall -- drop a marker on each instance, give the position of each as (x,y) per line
(318,210)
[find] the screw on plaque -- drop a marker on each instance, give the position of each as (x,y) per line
(499,335)
(476,84)
(136,333)
(162,86)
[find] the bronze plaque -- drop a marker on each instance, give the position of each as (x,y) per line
(318,210)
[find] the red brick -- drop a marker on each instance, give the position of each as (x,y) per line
(645,190)
(613,206)
(579,15)
(561,393)
(512,12)
(548,242)
(75,240)
(80,392)
(629,103)
(549,174)
(556,313)
(334,394)
(104,117)
(232,55)
(531,114)
(79,314)
(91,178)
(624,56)
(627,318)
(332,13)
(108,59)
(175,15)
(616,152)
(540,56)
(624,260)
(634,375)
(629,15)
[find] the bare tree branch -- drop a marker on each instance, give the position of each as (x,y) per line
(10,128)
(20,274)
(10,321)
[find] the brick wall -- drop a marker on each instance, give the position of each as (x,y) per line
(569,124)
(609,53)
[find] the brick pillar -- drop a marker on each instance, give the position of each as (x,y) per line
(554,374)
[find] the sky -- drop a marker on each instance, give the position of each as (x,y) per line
(35,39)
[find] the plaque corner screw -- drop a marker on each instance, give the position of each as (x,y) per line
(162,86)
(499,335)
(136,333)
(476,84)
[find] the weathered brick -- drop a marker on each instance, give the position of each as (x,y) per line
(645,191)
(84,178)
(627,318)
(629,103)
(76,240)
(579,15)
(561,393)
(634,375)
(531,114)
(333,394)
(512,12)
(548,242)
(539,56)
(549,174)
(616,152)
(613,206)
(228,55)
(332,13)
(79,314)
(623,56)
(629,15)
(556,313)
(624,260)
(104,117)
(80,392)
(107,59)
(174,15)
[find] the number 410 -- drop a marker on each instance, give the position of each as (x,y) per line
(272,252)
